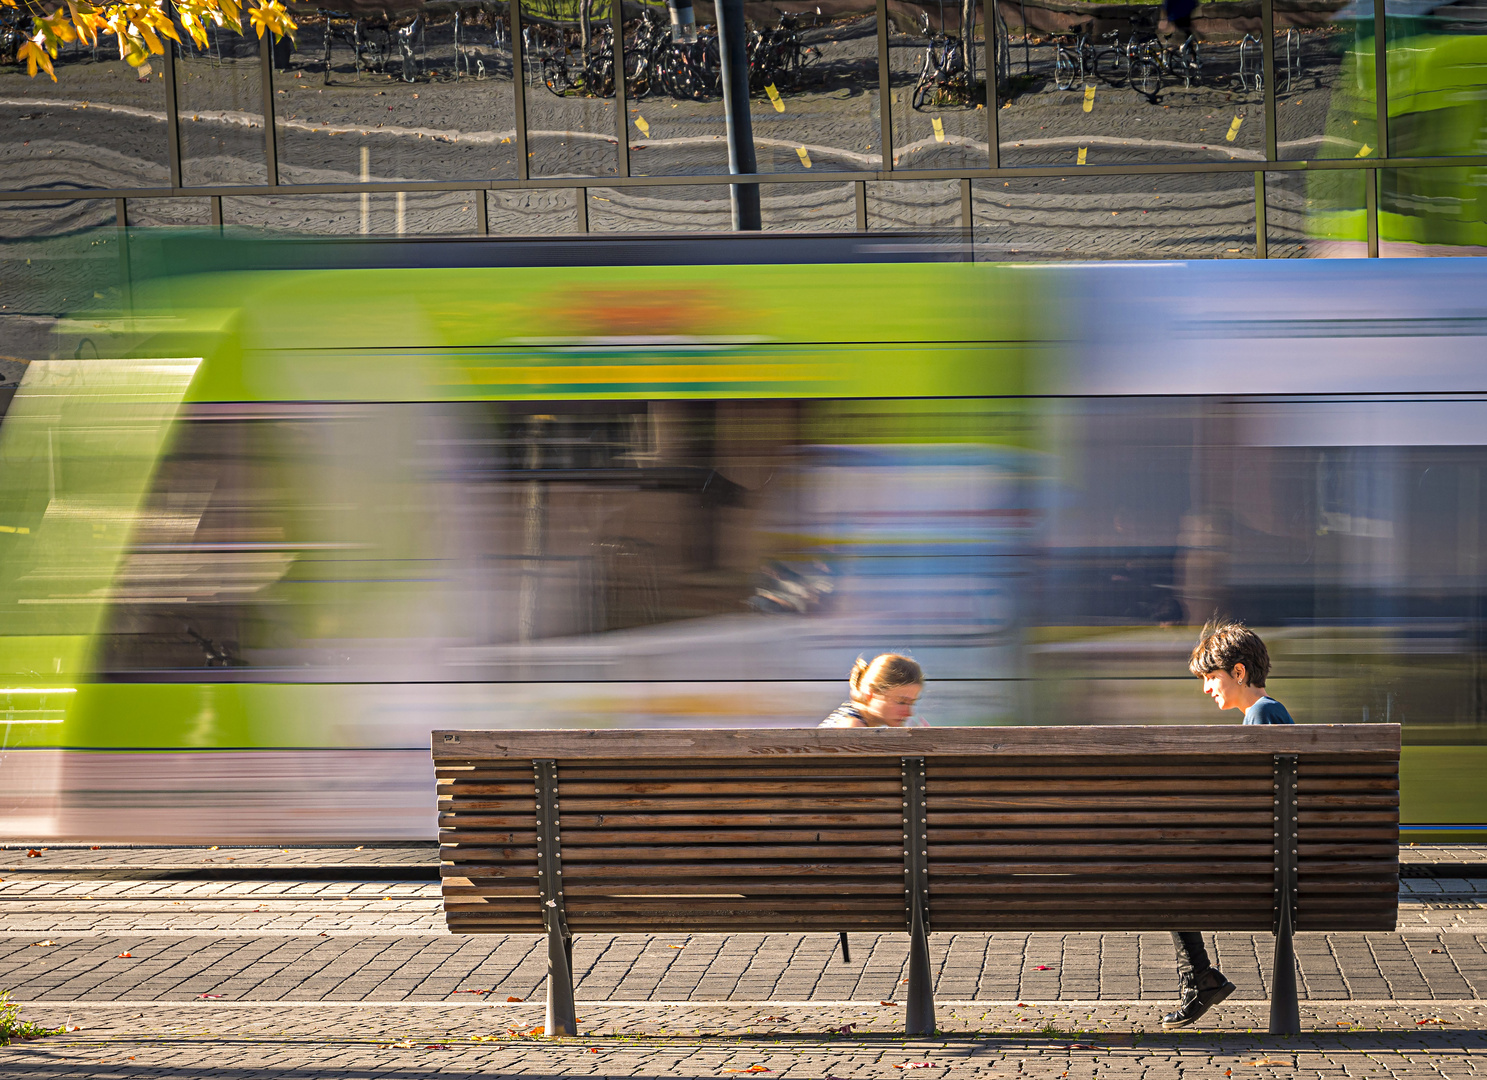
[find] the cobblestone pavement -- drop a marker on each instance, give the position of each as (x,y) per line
(59,858)
(259,978)
(266,967)
(1002,1040)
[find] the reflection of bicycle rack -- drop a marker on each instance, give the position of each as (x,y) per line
(1252,62)
(468,56)
(412,66)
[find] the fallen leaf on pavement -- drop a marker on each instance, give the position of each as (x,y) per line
(773,1020)
(750,1069)
(42,944)
(125,956)
(845,1029)
(211,995)
(593,1049)
(1022,1005)
(511,998)
(1270,1061)
(406,1044)
(676,946)
(1080,1046)
(538,1030)
(887,1003)
(73,1027)
(1437,950)
(32,853)
(916,1065)
(1431,1020)
(472,991)
(1044,967)
(436,1046)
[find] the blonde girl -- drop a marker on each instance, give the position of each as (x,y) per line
(884,691)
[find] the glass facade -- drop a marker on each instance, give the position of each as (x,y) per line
(1109,131)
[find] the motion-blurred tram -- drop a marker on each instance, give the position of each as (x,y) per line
(299,503)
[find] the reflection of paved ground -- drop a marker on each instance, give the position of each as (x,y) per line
(101,126)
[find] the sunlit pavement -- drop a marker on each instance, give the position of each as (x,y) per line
(349,978)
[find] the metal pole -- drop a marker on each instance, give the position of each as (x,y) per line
(733,52)
(1267,68)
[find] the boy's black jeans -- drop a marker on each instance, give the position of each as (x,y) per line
(1192,957)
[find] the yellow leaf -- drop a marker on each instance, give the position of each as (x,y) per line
(35,57)
(58,27)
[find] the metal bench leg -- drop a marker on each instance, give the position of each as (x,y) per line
(920,1007)
(561,1018)
(1285,1011)
(920,1011)
(846,949)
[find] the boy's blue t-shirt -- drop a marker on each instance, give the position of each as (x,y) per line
(1267,711)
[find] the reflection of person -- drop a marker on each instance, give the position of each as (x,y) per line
(1232,661)
(1177,15)
(884,691)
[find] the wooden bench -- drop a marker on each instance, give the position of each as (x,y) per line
(952,829)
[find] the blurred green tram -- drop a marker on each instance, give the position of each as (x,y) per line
(290,515)
(300,502)
(1437,103)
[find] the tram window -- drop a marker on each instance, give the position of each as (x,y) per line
(605,540)
(336,541)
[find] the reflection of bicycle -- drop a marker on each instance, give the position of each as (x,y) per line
(1152,62)
(690,70)
(370,41)
(944,78)
(1076,63)
(594,74)
(1252,61)
(641,52)
(15,31)
(778,56)
(221,654)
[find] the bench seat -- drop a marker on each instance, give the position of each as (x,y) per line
(1260,828)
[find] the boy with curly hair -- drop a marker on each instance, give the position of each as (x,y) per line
(1233,663)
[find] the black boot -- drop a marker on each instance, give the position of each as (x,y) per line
(1208,990)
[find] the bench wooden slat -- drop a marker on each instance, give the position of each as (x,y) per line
(947,848)
(595,871)
(735,788)
(675,820)
(746,744)
(1195,823)
(575,854)
(791,887)
(884,804)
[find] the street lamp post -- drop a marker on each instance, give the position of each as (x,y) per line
(734,54)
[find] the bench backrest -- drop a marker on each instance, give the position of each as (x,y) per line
(1059,828)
